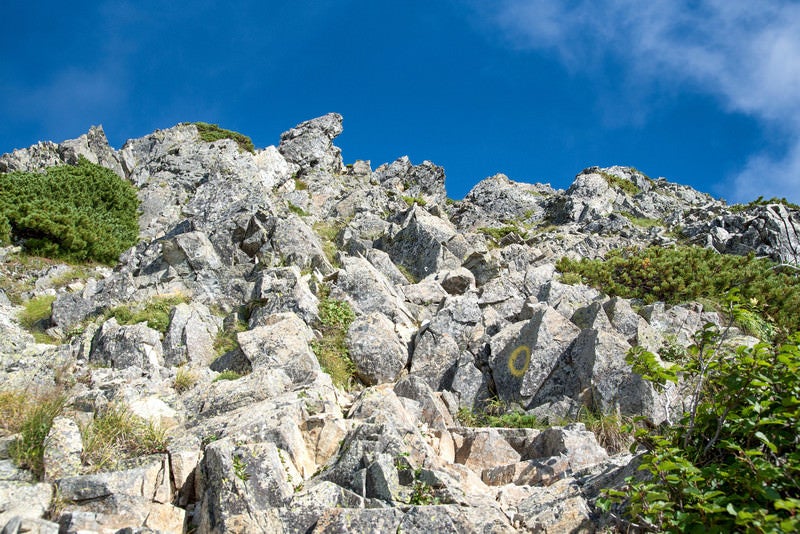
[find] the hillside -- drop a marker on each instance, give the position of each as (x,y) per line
(303,345)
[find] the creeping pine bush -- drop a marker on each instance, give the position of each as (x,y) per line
(686,273)
(731,463)
(77,213)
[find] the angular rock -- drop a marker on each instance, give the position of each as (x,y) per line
(281,343)
(127,346)
(310,144)
(191,334)
(283,289)
(420,243)
(434,359)
(525,354)
(62,449)
(24,500)
(484,449)
(345,520)
(233,481)
(377,353)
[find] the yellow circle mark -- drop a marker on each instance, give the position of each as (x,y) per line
(525,353)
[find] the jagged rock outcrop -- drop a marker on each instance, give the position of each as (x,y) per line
(438,310)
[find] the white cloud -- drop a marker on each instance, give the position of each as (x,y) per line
(746,54)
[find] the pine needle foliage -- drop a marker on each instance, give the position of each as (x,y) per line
(685,273)
(77,213)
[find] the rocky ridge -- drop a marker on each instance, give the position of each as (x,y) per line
(455,303)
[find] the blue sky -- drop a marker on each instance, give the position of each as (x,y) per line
(703,92)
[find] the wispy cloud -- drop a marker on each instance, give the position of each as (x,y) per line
(745,54)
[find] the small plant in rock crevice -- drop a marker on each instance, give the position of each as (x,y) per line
(240,468)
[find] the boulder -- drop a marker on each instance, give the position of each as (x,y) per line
(377,353)
(191,334)
(281,343)
(310,144)
(524,354)
(127,346)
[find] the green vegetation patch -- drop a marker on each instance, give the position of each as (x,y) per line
(155,312)
(620,183)
(228,375)
(410,201)
(227,339)
(212,132)
(31,416)
(35,315)
(77,213)
(497,234)
(642,222)
(335,317)
(118,434)
(685,273)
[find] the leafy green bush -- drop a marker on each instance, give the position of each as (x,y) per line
(72,212)
(410,201)
(731,463)
(335,317)
(686,273)
(212,132)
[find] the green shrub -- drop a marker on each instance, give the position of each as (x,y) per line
(685,273)
(118,434)
(335,317)
(731,463)
(72,212)
(328,233)
(185,379)
(642,222)
(297,210)
(35,311)
(212,132)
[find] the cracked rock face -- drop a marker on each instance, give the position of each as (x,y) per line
(456,309)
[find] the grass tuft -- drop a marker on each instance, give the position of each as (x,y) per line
(118,434)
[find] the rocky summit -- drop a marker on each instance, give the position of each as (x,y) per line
(297,344)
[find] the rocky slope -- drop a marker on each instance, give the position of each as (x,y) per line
(456,304)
